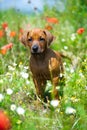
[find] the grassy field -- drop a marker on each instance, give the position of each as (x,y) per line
(17,92)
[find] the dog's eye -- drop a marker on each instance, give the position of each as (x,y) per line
(42,39)
(30,39)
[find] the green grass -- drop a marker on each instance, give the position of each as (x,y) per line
(40,115)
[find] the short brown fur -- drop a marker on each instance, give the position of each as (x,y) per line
(45,64)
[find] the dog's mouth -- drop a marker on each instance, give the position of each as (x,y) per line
(37,53)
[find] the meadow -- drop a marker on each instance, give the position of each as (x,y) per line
(17,91)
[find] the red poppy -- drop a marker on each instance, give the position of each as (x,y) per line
(80,30)
(4,121)
(21,30)
(5,48)
(1,33)
(4,25)
(52,20)
(12,34)
(48,27)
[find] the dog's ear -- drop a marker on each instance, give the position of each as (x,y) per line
(23,38)
(49,36)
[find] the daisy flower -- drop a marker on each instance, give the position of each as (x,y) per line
(20,111)
(70,110)
(54,103)
(24,75)
(9,91)
(13,107)
(1,97)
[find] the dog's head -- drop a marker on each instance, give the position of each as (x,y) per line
(37,40)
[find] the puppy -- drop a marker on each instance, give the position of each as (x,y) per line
(45,64)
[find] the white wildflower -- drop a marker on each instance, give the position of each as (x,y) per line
(58,87)
(85,87)
(61,75)
(26,67)
(44,111)
(70,110)
(74,99)
(10,79)
(1,97)
(9,91)
(85,60)
(27,82)
(81,75)
(73,36)
(14,64)
(65,47)
(20,111)
(24,75)
(49,84)
(67,69)
(13,107)
(20,65)
(64,63)
(63,40)
(28,93)
(11,68)
(1,81)
(71,70)
(54,103)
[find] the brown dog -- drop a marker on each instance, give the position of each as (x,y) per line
(45,64)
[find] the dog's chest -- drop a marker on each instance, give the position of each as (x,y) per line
(40,69)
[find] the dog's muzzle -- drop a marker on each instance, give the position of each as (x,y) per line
(35,49)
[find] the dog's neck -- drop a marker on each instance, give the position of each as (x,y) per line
(40,56)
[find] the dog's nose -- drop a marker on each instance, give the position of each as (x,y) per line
(35,48)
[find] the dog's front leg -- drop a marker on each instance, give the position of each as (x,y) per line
(55,93)
(40,87)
